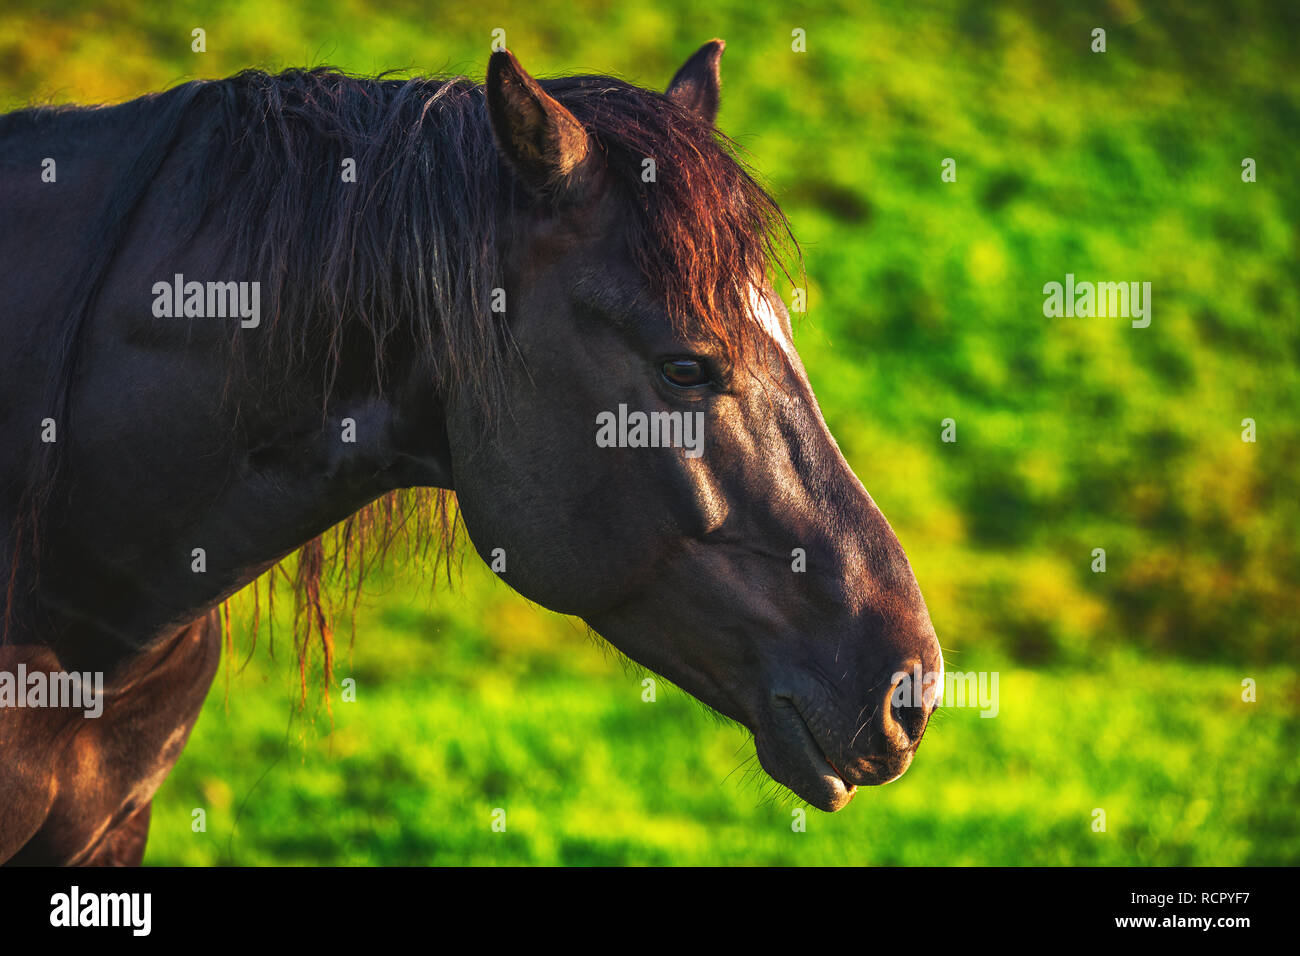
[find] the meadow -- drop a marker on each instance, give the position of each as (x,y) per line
(473,701)
(1121,690)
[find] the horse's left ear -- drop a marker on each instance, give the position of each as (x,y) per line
(698,83)
(543,142)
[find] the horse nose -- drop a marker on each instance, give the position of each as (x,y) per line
(901,705)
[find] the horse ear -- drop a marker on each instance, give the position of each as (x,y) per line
(543,142)
(698,83)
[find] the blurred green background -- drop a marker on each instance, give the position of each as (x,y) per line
(1119,691)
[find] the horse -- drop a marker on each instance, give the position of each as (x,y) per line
(242,312)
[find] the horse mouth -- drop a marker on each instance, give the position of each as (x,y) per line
(789,752)
(817,753)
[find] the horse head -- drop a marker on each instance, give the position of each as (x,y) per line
(664,471)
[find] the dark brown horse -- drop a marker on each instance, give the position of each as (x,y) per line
(240,312)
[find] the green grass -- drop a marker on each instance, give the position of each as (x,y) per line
(472,702)
(1120,690)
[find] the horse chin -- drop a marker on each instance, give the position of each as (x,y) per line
(791,756)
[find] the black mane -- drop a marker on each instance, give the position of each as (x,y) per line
(404,260)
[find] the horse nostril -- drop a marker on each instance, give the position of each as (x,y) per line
(906,710)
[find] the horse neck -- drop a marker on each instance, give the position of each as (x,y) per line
(188,467)
(216,474)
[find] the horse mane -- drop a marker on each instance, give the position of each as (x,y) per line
(404,261)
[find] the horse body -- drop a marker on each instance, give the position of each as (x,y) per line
(192,453)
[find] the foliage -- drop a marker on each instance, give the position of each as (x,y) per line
(1120,690)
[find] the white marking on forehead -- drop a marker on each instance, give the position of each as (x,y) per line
(762,310)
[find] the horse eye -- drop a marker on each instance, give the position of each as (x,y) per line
(685,373)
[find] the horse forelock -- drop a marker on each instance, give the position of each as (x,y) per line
(702,229)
